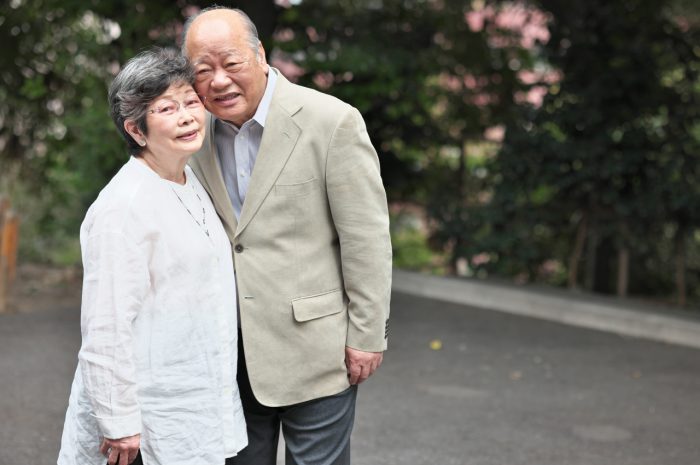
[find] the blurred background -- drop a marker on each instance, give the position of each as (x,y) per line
(550,141)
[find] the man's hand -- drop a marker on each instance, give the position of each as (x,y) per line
(361,365)
(121,451)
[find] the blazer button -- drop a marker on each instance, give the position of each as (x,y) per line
(238,248)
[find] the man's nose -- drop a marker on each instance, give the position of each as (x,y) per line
(221,78)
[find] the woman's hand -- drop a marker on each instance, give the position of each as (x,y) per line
(121,451)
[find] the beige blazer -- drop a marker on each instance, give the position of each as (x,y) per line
(312,251)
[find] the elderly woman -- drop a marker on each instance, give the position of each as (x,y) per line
(157,366)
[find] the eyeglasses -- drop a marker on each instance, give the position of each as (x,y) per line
(230,67)
(168,107)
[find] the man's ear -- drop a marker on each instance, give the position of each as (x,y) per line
(132,128)
(261,56)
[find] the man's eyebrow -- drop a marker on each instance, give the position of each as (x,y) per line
(200,60)
(208,56)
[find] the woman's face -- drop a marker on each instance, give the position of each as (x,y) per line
(175,123)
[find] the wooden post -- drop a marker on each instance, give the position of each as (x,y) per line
(10,233)
(3,268)
(9,236)
(4,206)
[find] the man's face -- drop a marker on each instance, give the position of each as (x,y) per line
(229,76)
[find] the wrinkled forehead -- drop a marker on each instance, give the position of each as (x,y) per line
(213,55)
(216,32)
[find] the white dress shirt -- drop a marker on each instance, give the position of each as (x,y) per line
(158,320)
(238,148)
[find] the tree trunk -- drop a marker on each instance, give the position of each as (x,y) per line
(623,261)
(591,253)
(576,254)
(462,172)
(461,181)
(623,264)
(679,246)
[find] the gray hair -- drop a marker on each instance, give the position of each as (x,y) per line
(252,36)
(143,79)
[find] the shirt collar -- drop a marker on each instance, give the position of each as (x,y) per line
(264,107)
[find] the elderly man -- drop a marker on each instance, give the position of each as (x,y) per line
(295,179)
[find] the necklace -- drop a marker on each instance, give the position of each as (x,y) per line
(203,224)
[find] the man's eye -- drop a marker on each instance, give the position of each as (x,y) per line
(202,75)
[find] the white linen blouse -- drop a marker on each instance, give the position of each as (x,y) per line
(159,326)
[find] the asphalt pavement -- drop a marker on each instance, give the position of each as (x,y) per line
(459,386)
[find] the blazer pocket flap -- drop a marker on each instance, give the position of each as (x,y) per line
(296,190)
(317,306)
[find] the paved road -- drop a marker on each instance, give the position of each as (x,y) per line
(503,390)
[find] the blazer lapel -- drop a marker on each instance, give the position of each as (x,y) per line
(279,138)
(206,165)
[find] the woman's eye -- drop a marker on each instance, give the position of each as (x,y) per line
(167,108)
(192,103)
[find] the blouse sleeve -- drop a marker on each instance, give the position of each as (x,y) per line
(115,283)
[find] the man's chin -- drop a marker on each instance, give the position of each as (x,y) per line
(233,117)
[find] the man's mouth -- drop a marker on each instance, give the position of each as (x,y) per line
(226,97)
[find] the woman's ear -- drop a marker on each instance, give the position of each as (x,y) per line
(132,128)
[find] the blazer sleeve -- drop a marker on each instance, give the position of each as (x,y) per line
(359,210)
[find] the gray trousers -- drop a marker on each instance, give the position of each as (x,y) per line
(316,432)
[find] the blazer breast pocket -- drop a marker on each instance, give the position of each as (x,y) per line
(300,189)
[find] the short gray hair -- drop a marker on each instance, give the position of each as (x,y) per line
(143,79)
(252,39)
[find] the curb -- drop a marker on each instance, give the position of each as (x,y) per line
(657,323)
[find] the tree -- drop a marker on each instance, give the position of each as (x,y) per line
(428,83)
(610,157)
(482,52)
(376,56)
(58,144)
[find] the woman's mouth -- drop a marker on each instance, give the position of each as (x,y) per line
(188,136)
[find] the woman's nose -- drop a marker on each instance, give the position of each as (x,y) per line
(185,115)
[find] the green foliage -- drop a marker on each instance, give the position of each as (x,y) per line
(58,145)
(610,153)
(412,251)
(377,56)
(612,144)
